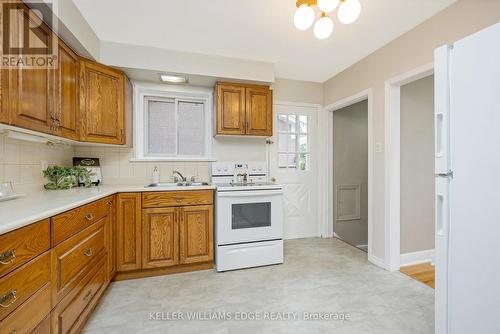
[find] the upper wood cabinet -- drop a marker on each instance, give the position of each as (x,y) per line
(128,231)
(243,109)
(230,109)
(102,103)
(66,97)
(31,90)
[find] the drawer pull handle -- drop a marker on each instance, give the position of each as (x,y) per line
(8,257)
(88,252)
(178,199)
(9,296)
(89,216)
(88,296)
(13,332)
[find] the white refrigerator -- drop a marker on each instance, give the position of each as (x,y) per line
(467,125)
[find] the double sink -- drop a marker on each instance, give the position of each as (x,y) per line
(177,184)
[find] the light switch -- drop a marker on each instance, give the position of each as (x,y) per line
(378,147)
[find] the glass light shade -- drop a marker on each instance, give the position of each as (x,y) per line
(327,6)
(304,17)
(323,28)
(349,11)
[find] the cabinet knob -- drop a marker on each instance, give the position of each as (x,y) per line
(89,216)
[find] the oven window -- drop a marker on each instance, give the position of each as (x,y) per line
(249,215)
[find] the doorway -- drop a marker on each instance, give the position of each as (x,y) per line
(350,174)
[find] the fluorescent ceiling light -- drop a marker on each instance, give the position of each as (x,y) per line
(173,78)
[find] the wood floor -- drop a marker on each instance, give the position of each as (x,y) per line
(423,272)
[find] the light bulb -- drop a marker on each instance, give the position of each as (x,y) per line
(323,28)
(327,6)
(349,11)
(304,17)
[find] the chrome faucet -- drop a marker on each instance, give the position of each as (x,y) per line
(178,173)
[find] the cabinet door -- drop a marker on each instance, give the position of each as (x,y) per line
(259,111)
(102,91)
(160,237)
(230,109)
(196,234)
(128,231)
(32,90)
(66,82)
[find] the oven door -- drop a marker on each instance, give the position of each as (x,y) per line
(246,216)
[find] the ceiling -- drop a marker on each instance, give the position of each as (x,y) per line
(260,30)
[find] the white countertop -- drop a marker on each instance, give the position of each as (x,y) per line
(47,203)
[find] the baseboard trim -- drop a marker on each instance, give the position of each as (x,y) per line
(409,259)
(378,262)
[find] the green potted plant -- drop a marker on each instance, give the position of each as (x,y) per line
(66,177)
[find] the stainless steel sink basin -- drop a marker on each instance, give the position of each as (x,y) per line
(177,184)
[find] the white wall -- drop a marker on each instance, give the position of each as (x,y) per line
(21,162)
(411,50)
(417,166)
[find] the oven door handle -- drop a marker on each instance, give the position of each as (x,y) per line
(249,193)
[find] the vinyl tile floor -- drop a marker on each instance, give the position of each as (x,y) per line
(321,282)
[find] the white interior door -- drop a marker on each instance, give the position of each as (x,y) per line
(294,164)
(474,230)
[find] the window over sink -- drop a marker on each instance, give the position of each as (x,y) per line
(171,123)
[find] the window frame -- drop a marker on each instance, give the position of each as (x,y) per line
(145,92)
(297,133)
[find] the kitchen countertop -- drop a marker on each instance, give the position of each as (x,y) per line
(40,205)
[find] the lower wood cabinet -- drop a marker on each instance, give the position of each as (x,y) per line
(156,230)
(71,257)
(160,238)
(70,314)
(128,231)
(196,234)
(53,272)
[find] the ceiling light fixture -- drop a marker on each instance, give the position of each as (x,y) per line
(173,78)
(348,12)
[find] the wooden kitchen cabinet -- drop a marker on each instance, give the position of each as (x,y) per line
(160,237)
(32,91)
(102,103)
(196,234)
(259,111)
(230,109)
(128,231)
(243,109)
(66,96)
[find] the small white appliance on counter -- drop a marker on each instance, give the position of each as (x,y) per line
(248,216)
(467,120)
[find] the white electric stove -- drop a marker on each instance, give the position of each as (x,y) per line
(248,218)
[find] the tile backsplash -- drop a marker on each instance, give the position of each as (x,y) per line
(116,167)
(21,162)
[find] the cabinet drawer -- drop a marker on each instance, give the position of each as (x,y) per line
(19,285)
(177,198)
(70,314)
(72,256)
(22,245)
(43,327)
(71,222)
(28,315)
